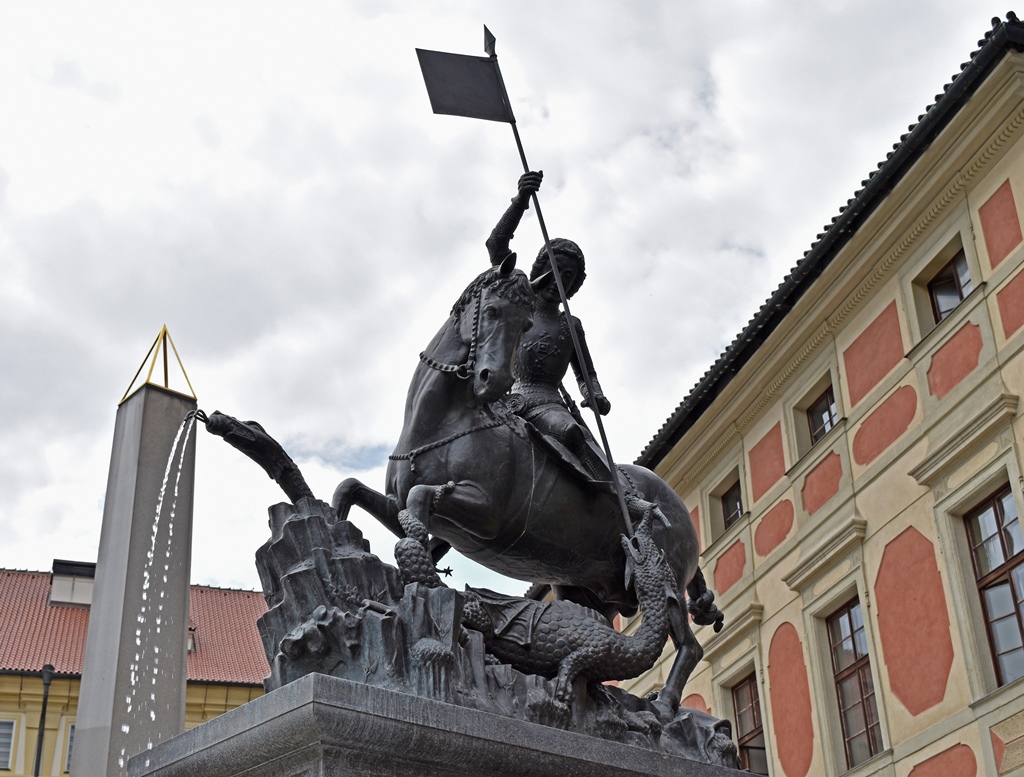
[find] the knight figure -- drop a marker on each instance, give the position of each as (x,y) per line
(547,351)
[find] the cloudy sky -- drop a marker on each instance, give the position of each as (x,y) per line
(268,181)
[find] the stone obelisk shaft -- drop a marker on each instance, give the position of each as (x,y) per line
(133,678)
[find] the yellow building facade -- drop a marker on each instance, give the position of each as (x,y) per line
(21,702)
(45,620)
(854,465)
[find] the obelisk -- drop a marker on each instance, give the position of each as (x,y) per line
(134,672)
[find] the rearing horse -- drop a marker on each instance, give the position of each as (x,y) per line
(468,470)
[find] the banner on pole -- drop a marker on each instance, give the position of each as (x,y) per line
(462,85)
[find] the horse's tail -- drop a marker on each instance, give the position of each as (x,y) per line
(702,605)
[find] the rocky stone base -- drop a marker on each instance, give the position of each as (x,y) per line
(335,609)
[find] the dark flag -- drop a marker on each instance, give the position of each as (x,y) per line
(461,85)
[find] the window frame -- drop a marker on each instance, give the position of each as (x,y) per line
(1003,571)
(937,251)
(819,378)
(860,668)
(70,745)
(722,480)
(990,428)
(757,730)
(844,546)
(955,276)
(730,516)
(10,748)
(817,434)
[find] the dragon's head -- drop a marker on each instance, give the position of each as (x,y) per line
(642,553)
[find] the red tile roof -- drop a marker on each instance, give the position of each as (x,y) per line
(33,633)
(228,648)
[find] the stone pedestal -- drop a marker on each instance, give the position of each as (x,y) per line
(322,725)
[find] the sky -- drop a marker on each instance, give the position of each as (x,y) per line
(268,181)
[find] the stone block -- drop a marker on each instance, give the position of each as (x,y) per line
(322,725)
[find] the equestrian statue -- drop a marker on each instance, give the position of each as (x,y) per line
(494,460)
(514,481)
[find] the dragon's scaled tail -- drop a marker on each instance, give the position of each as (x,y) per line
(702,605)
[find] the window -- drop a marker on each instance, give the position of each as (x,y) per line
(732,504)
(942,273)
(949,286)
(851,670)
(997,549)
(815,411)
(725,501)
(822,415)
(6,743)
(746,705)
(71,744)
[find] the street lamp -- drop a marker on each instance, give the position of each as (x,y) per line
(47,679)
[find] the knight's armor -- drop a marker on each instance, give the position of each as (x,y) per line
(543,359)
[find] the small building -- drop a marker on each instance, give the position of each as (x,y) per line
(853,462)
(45,618)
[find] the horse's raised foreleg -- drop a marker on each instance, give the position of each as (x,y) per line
(412,551)
(352,492)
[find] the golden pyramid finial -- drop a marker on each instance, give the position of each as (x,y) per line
(158,348)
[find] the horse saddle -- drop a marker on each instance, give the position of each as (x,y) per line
(591,468)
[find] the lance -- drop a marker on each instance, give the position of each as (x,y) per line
(463,85)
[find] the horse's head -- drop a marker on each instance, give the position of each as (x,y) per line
(493,313)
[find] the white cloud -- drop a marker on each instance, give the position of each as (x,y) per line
(269,182)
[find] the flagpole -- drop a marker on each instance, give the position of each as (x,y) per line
(489,42)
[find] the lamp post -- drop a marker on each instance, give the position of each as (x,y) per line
(47,679)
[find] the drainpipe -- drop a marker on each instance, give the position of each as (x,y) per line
(47,678)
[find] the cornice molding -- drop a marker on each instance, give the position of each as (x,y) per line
(969,437)
(1002,138)
(830,552)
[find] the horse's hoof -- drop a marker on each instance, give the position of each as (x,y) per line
(664,709)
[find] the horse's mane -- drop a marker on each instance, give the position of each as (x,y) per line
(515,287)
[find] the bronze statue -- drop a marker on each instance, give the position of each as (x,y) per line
(470,472)
(514,481)
(252,440)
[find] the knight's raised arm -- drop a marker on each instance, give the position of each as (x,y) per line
(504,230)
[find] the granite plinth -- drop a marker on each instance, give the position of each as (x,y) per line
(320,725)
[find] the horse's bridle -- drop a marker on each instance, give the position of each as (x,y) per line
(464,370)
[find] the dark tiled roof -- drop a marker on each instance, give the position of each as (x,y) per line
(1003,36)
(34,633)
